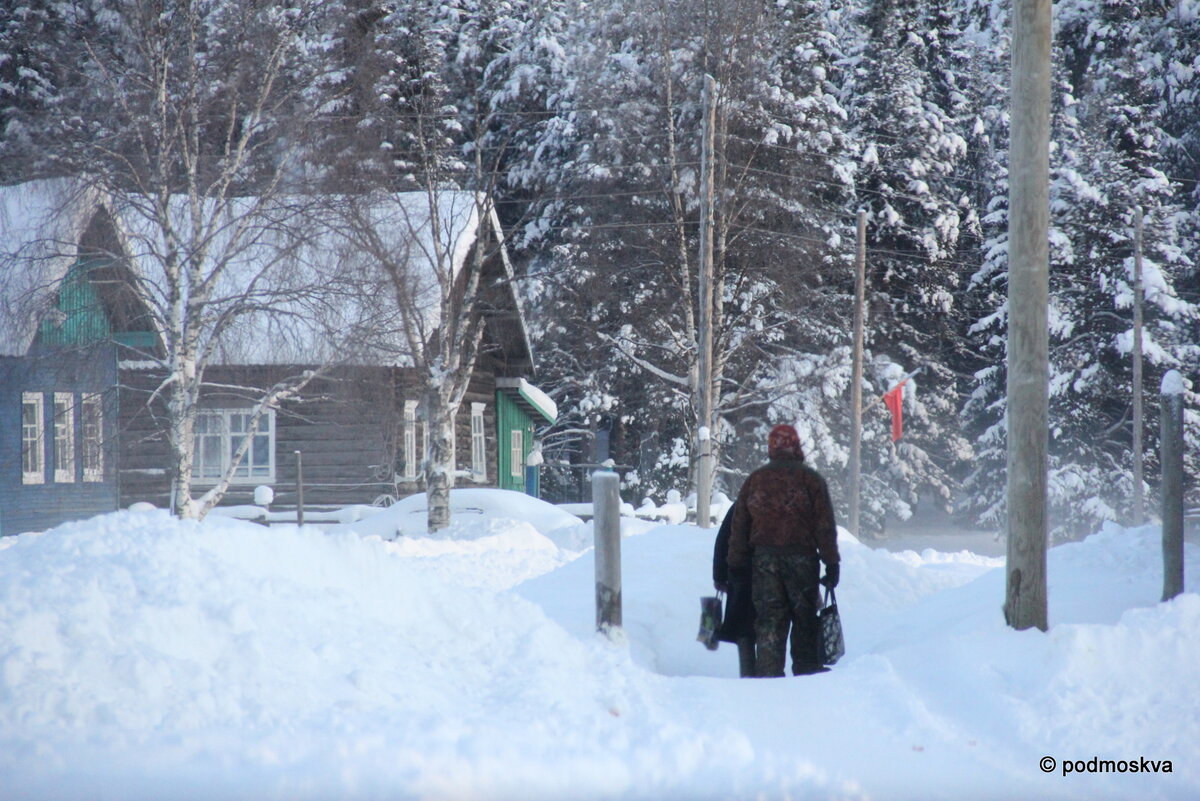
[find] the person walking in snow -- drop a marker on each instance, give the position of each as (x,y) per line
(782,529)
(738,624)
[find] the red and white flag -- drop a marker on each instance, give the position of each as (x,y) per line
(894,400)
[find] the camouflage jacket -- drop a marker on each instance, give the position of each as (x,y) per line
(784,504)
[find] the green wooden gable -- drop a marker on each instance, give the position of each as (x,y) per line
(79,316)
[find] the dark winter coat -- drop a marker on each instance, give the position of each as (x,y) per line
(739,608)
(785,506)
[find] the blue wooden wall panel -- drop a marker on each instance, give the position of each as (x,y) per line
(36,507)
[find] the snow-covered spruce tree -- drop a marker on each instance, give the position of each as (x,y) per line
(626,199)
(1168,66)
(32,48)
(981,493)
(913,98)
(1105,161)
(811,392)
(186,117)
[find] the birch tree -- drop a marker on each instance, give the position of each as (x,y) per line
(421,213)
(186,118)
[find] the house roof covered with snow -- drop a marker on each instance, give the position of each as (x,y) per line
(294,279)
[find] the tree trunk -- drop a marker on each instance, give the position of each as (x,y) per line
(439,470)
(181,439)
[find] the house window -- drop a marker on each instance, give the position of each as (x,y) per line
(259,461)
(220,432)
(478,444)
(207,461)
(64,437)
(516,457)
(92,428)
(410,440)
(33,446)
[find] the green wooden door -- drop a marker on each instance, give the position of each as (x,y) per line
(514,441)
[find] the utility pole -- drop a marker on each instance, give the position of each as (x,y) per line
(704,358)
(1028,294)
(860,293)
(1171,460)
(1139,502)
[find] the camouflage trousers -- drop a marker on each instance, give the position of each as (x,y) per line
(786,594)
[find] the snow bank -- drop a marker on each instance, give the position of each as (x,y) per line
(468,507)
(147,657)
(144,657)
(496,538)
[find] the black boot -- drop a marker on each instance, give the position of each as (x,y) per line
(745,646)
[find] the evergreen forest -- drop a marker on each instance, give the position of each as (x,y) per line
(583,121)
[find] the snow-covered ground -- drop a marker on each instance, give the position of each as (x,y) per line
(146,658)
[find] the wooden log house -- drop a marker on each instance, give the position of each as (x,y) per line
(82,431)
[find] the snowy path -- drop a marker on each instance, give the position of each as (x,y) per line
(147,658)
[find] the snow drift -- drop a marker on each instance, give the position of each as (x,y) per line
(145,657)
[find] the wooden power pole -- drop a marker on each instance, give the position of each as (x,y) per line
(856,378)
(704,358)
(1139,502)
(1028,294)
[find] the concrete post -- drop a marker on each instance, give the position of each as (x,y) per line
(606,520)
(1172,484)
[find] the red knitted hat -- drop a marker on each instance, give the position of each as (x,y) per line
(784,443)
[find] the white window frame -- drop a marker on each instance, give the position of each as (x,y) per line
(64,438)
(219,425)
(410,440)
(516,453)
(478,443)
(424,426)
(33,440)
(92,436)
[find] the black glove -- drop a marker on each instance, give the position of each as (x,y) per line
(721,586)
(832,573)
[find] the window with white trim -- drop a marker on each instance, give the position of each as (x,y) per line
(33,444)
(218,435)
(478,443)
(92,431)
(410,439)
(64,437)
(516,457)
